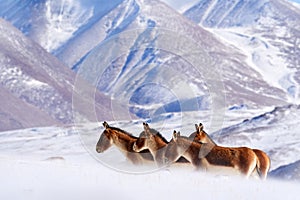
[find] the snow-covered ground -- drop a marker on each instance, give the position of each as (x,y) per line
(61,163)
(60,180)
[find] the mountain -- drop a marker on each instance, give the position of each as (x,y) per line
(52,23)
(289,172)
(146,55)
(266,31)
(148,70)
(17,114)
(278,127)
(38,90)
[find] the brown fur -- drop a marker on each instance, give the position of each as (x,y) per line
(263,164)
(153,141)
(124,141)
(204,156)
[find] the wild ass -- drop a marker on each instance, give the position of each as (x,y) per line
(153,141)
(208,157)
(124,141)
(263,164)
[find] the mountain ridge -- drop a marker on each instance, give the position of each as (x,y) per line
(151,19)
(148,63)
(41,82)
(266,31)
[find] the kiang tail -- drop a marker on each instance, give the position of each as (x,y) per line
(258,168)
(263,166)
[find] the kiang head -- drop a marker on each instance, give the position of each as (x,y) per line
(105,141)
(200,135)
(145,139)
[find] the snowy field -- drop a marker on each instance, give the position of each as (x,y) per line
(61,163)
(22,179)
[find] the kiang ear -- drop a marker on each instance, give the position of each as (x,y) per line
(200,127)
(105,125)
(197,127)
(146,126)
(147,129)
(175,135)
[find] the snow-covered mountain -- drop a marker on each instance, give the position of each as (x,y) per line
(147,68)
(287,172)
(266,31)
(38,90)
(160,52)
(17,114)
(52,23)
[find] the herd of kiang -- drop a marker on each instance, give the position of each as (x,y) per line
(198,150)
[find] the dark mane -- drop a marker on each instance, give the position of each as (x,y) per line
(125,132)
(187,139)
(155,132)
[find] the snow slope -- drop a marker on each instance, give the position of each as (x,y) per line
(33,79)
(17,114)
(61,162)
(287,172)
(139,56)
(53,23)
(266,31)
(159,50)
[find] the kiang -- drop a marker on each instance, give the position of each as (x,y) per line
(198,150)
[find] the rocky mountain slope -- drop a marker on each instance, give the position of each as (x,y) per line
(162,58)
(266,31)
(37,89)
